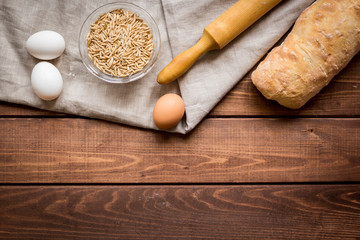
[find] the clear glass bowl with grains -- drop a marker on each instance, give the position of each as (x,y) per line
(119,42)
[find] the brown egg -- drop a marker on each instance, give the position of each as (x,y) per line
(168,111)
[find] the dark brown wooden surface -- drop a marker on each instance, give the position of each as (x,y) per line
(68,150)
(251,170)
(180,212)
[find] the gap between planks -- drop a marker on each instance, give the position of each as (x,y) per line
(177,184)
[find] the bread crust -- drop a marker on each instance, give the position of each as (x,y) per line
(325,37)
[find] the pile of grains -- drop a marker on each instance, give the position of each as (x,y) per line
(120,43)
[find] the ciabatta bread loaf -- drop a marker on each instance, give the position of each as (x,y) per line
(323,40)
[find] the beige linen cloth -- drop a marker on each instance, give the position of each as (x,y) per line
(181,24)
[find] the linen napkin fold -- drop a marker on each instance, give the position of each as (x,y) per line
(83,94)
(180,24)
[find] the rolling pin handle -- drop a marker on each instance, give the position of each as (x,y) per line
(218,34)
(181,63)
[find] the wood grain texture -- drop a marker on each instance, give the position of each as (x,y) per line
(36,150)
(180,212)
(230,146)
(18,110)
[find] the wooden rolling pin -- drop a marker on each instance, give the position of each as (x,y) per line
(217,34)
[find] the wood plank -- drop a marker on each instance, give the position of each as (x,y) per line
(37,150)
(339,98)
(12,109)
(180,212)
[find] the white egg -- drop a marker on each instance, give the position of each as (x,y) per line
(46,81)
(45,45)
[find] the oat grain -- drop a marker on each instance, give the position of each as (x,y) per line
(120,43)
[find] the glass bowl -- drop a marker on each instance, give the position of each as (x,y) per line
(85,29)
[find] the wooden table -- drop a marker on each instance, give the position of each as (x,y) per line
(251,170)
